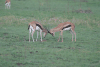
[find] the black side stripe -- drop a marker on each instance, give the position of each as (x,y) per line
(28,27)
(39,26)
(66,27)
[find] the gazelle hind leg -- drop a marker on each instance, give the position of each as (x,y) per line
(75,35)
(59,36)
(32,29)
(32,35)
(9,6)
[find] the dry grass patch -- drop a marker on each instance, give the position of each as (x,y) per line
(10,20)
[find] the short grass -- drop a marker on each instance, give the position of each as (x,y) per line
(17,51)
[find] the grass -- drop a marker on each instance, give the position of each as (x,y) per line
(17,51)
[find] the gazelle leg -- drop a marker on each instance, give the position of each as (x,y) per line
(7,6)
(29,34)
(59,36)
(41,34)
(32,35)
(62,35)
(75,35)
(72,34)
(37,35)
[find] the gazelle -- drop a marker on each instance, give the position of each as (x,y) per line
(7,4)
(36,26)
(63,27)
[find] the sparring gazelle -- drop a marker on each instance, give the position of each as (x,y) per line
(36,26)
(63,27)
(7,4)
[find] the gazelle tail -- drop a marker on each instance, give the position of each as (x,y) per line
(28,27)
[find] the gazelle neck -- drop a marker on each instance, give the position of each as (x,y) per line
(55,30)
(44,30)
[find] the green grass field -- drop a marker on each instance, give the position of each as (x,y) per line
(17,51)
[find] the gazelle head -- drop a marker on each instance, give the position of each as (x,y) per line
(51,32)
(45,33)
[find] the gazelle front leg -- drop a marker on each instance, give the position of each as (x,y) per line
(62,35)
(59,36)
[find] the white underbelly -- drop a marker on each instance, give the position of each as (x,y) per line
(37,28)
(32,29)
(69,28)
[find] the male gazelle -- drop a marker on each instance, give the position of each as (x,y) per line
(63,27)
(36,26)
(7,4)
